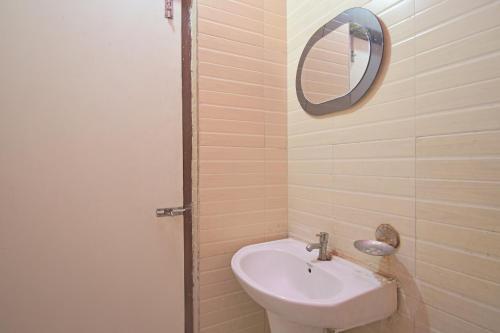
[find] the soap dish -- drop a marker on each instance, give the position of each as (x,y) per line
(386,243)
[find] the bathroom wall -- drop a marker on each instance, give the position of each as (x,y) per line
(242,150)
(422,154)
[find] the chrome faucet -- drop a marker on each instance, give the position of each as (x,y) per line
(322,246)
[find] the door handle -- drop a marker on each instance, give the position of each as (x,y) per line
(172,211)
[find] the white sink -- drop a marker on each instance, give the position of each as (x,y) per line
(303,295)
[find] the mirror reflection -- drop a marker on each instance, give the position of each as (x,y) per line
(336,63)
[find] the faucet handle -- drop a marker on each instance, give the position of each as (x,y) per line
(323,236)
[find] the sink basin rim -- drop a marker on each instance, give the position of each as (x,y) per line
(342,296)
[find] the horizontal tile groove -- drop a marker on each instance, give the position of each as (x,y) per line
(201,105)
(241,82)
(460,158)
(241,56)
(462,62)
(456,295)
(214,226)
(263,10)
(389,8)
(378,195)
(433,330)
(447,180)
(232,320)
(458,134)
(238,95)
(250,32)
(263,210)
(263,34)
(451,203)
(431,7)
(493,3)
(228,122)
(457,110)
(365,125)
(469,84)
(456,249)
(456,41)
(494,283)
(202,63)
(374,159)
(309,213)
(230,134)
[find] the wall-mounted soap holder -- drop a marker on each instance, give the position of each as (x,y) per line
(386,243)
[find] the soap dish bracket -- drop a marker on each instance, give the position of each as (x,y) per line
(387,234)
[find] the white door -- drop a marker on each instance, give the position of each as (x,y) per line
(90,146)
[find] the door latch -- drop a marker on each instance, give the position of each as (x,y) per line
(172,211)
(169,9)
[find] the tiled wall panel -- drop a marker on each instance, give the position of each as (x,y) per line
(242,150)
(422,154)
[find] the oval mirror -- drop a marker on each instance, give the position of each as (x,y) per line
(340,62)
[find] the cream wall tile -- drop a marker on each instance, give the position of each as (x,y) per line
(458,50)
(475,119)
(421,154)
(482,218)
(242,150)
(464,192)
(430,319)
(460,145)
(469,310)
(456,259)
(476,289)
(465,169)
(466,239)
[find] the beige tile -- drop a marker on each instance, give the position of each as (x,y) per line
(231,140)
(224,302)
(429,318)
(378,149)
(475,119)
(457,259)
(466,239)
(456,51)
(468,72)
(473,288)
(231,154)
(466,96)
(231,167)
(213,235)
(460,169)
(402,187)
(223,315)
(459,306)
(481,218)
(467,24)
(229,126)
(378,203)
(464,192)
(460,145)
(381,168)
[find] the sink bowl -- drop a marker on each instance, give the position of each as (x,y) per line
(304,295)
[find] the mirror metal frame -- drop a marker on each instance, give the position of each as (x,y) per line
(371,23)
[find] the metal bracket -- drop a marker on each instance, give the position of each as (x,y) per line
(172,211)
(169,9)
(387,234)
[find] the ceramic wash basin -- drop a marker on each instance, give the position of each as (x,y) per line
(303,295)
